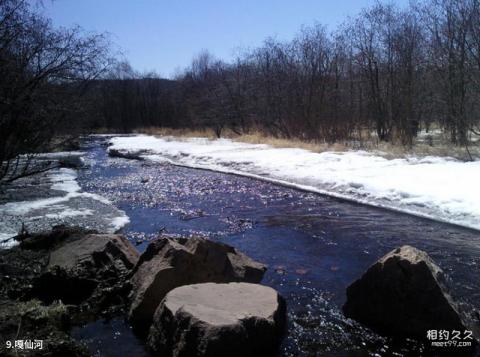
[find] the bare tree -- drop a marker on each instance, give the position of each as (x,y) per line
(41,70)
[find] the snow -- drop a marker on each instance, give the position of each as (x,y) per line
(20,208)
(432,132)
(6,242)
(59,154)
(68,212)
(118,222)
(58,208)
(440,188)
(64,180)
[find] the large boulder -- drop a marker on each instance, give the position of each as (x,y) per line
(89,270)
(169,263)
(404,293)
(235,319)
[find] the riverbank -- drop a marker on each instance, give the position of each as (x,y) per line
(439,188)
(56,280)
(433,142)
(39,202)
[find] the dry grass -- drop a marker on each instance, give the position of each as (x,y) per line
(104,130)
(440,145)
(422,150)
(254,137)
(259,138)
(180,133)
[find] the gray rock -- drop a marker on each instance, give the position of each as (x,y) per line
(127,155)
(404,293)
(89,271)
(169,263)
(94,250)
(73,161)
(235,319)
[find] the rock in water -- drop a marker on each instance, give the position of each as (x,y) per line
(169,263)
(404,293)
(126,155)
(235,319)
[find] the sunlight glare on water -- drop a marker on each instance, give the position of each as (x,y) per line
(314,246)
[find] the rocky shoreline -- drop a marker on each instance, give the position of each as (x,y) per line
(53,281)
(195,297)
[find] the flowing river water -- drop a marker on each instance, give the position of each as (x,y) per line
(314,246)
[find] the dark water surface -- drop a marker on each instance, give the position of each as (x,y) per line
(314,247)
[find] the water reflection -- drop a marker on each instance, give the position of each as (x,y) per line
(314,246)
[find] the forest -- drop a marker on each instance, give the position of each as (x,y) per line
(383,74)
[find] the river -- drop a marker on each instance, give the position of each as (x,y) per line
(314,246)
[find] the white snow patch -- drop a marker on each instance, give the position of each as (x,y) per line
(6,242)
(68,212)
(62,179)
(20,208)
(432,132)
(118,223)
(441,188)
(60,154)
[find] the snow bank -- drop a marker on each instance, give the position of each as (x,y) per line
(61,180)
(439,188)
(64,180)
(67,205)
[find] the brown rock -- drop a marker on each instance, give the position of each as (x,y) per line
(404,293)
(235,319)
(95,250)
(170,263)
(89,270)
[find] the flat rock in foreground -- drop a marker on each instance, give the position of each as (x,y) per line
(169,263)
(404,293)
(235,319)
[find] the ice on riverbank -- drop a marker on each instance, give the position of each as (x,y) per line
(55,198)
(435,187)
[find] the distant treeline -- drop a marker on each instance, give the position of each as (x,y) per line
(387,71)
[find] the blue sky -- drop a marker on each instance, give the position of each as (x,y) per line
(165,35)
